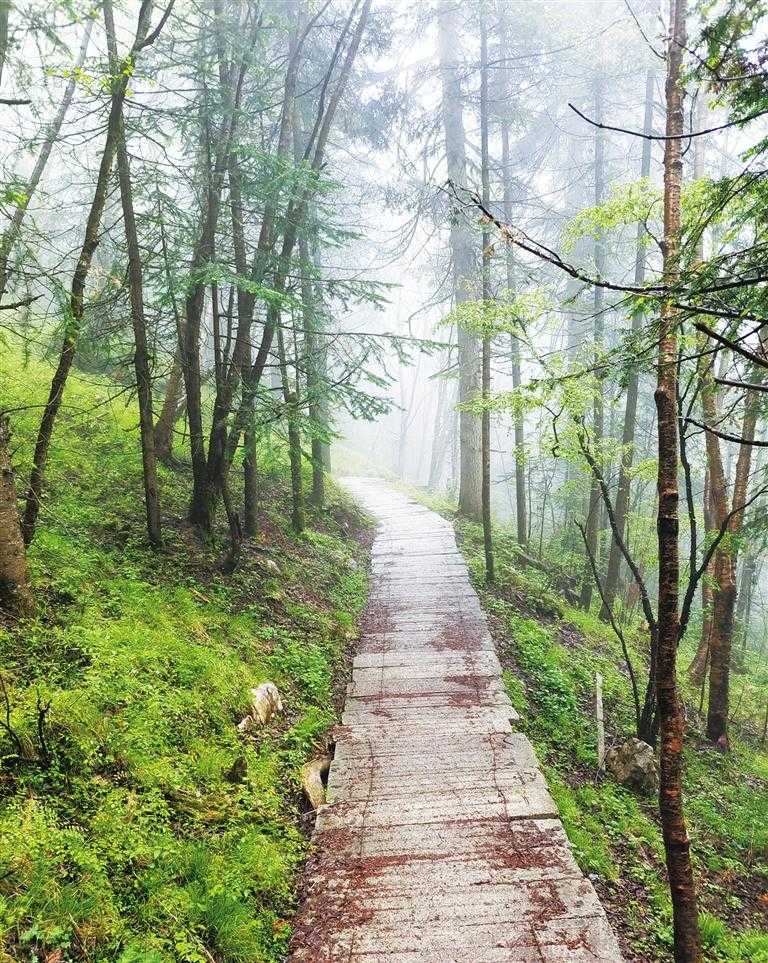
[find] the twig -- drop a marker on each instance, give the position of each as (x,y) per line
(6,723)
(614,625)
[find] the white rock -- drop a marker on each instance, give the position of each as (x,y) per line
(312,774)
(265,702)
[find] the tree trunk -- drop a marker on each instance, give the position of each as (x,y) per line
(15,594)
(592,533)
(699,666)
(293,221)
(5,9)
(138,320)
(463,261)
(11,233)
(521,517)
(203,501)
(74,320)
(724,590)
(312,351)
(250,483)
(687,942)
(440,437)
(170,412)
(207,484)
(487,332)
(748,582)
(294,438)
(621,508)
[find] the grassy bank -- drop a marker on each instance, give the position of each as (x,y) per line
(136,822)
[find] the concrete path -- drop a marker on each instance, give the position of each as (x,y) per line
(440,842)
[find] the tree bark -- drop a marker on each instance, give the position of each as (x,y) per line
(170,411)
(486,291)
(5,10)
(687,942)
(621,508)
(136,284)
(592,532)
(724,589)
(293,221)
(521,517)
(202,504)
(11,233)
(15,593)
(290,396)
(312,351)
(699,666)
(250,483)
(74,320)
(463,261)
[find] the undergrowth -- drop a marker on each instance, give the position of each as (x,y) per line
(136,823)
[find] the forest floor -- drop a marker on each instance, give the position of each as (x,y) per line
(550,651)
(136,823)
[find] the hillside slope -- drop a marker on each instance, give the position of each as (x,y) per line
(551,652)
(136,823)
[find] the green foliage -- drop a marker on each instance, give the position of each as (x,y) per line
(626,205)
(142,826)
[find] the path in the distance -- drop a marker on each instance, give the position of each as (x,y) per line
(440,842)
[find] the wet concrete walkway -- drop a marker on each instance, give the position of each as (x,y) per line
(440,842)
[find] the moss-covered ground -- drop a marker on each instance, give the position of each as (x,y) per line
(136,823)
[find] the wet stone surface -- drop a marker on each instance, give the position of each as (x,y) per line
(440,842)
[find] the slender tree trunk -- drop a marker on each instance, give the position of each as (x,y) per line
(250,483)
(521,518)
(74,319)
(621,508)
(170,411)
(314,382)
(592,533)
(469,362)
(5,9)
(202,502)
(293,221)
(720,626)
(216,158)
(487,332)
(439,437)
(312,362)
(699,666)
(138,320)
(687,942)
(290,396)
(15,593)
(724,591)
(747,585)
(11,233)
(173,399)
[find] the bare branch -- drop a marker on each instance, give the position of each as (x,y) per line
(689,136)
(614,624)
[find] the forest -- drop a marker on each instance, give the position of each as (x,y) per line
(389,374)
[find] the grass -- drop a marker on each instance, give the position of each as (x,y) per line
(551,651)
(138,825)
